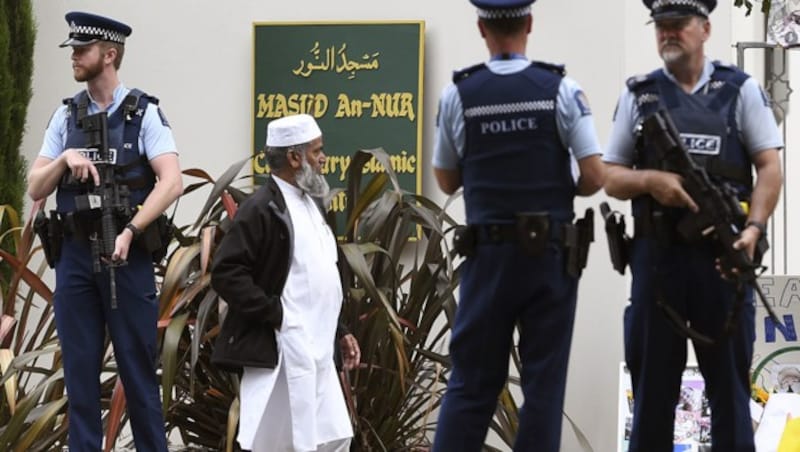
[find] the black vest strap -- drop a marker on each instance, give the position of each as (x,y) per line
(134,106)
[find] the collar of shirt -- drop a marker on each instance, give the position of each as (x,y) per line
(705,76)
(510,66)
(119,95)
(288,189)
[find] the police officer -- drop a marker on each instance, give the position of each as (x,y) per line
(725,121)
(508,131)
(146,161)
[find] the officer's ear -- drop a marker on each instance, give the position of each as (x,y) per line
(109,52)
(482,28)
(706,24)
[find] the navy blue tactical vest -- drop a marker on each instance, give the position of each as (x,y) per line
(124,125)
(706,121)
(513,159)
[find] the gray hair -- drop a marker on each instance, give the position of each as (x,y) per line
(276,155)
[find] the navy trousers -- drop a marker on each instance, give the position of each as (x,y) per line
(83,313)
(686,277)
(502,287)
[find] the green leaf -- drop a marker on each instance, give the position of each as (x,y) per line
(39,427)
(169,357)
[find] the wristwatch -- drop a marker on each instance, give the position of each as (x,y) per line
(762,228)
(132,227)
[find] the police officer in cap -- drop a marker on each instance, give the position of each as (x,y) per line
(509,131)
(146,161)
(726,124)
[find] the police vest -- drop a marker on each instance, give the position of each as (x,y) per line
(513,158)
(706,121)
(130,168)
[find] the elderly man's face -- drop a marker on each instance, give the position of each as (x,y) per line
(309,177)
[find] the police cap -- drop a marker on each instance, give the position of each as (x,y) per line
(87,28)
(667,9)
(502,9)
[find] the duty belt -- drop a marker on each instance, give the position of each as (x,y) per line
(532,231)
(504,232)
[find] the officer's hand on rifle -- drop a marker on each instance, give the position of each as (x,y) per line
(748,240)
(667,189)
(80,167)
(122,245)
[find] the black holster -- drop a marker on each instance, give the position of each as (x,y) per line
(618,241)
(51,233)
(465,239)
(577,239)
(156,237)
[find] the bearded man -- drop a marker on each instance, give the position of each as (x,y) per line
(725,121)
(87,305)
(277,269)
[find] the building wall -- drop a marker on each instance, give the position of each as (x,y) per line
(196,56)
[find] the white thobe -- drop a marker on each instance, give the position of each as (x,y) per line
(299,405)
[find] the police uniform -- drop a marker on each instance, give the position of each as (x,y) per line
(513,128)
(137,132)
(723,121)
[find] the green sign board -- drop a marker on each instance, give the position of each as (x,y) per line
(362,81)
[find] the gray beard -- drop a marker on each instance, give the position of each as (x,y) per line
(671,54)
(313,184)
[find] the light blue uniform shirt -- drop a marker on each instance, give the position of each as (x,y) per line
(754,119)
(574,120)
(155,138)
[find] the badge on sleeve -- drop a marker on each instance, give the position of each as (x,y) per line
(164,121)
(583,103)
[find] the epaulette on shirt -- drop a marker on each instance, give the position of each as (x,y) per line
(557,69)
(639,81)
(644,88)
(461,74)
(719,65)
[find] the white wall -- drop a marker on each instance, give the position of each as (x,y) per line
(196,56)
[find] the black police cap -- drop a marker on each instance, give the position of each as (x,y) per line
(497,9)
(666,9)
(87,28)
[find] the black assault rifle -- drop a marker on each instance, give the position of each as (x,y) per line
(720,215)
(112,200)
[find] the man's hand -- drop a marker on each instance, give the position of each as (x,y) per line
(748,240)
(122,245)
(351,354)
(667,189)
(80,167)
